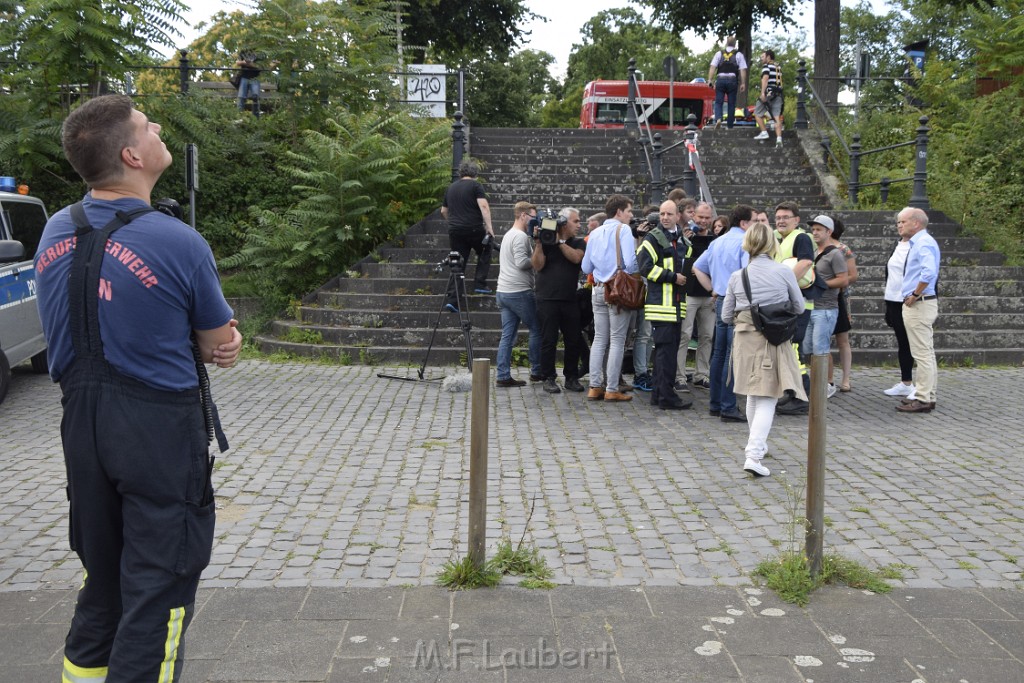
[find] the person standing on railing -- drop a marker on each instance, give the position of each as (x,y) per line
(920,306)
(249,83)
(731,66)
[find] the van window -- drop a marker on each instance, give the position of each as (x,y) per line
(26,221)
(680,110)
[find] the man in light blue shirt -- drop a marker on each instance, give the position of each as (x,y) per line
(611,323)
(714,267)
(920,306)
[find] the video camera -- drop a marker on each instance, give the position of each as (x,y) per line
(545,226)
(641,226)
(452,262)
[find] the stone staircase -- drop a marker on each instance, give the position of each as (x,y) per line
(385,315)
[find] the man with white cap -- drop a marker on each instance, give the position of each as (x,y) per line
(830,265)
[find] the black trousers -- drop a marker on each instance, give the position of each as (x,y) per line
(665,336)
(894,319)
(142,520)
(465,242)
(555,317)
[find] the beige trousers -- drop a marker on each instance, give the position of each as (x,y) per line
(919,319)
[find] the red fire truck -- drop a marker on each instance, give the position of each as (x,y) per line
(604,103)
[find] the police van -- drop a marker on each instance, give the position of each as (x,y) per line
(22,219)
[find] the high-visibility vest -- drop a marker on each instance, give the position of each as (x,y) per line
(664,303)
(785,251)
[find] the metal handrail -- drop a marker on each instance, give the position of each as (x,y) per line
(694,179)
(919,195)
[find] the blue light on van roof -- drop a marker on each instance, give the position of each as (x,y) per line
(7,184)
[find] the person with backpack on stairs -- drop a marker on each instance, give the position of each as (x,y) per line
(731,67)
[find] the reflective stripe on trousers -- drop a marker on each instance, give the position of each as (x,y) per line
(80,674)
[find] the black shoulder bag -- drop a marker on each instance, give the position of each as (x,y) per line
(774,321)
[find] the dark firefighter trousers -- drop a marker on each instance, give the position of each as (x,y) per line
(142,507)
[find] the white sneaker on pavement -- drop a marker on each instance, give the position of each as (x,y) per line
(912,396)
(900,389)
(831,391)
(756,468)
(763,135)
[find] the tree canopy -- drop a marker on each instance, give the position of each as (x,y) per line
(726,17)
(456,31)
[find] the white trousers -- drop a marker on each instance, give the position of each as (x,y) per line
(760,416)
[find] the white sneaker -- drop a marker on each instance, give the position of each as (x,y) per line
(763,135)
(831,391)
(900,389)
(912,396)
(778,143)
(756,468)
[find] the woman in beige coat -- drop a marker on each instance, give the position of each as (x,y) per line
(761,371)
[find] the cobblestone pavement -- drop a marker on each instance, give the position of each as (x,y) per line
(337,478)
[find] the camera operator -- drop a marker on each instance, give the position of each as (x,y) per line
(469,226)
(558,275)
(515,296)
(660,260)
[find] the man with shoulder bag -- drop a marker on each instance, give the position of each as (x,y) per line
(609,251)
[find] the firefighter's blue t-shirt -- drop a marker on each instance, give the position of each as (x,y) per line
(158,282)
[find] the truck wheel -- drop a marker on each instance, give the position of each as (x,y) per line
(5,376)
(39,363)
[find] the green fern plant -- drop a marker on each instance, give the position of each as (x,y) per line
(359,183)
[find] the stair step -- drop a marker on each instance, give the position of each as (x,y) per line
(387,314)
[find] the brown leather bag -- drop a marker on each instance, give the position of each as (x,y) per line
(625,290)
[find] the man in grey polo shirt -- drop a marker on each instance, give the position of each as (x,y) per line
(515,296)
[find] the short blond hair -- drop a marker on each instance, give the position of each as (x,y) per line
(760,239)
(520,208)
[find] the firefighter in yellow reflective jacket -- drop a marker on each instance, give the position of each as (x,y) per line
(660,259)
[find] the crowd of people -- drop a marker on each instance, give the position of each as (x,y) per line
(702,274)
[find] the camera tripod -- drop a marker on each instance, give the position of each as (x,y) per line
(456,279)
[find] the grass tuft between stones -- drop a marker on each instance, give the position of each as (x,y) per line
(790,576)
(518,561)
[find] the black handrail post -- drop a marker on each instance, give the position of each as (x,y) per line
(656,187)
(826,146)
(183,71)
(854,169)
(884,185)
(801,96)
(632,127)
(458,144)
(919,198)
(690,175)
